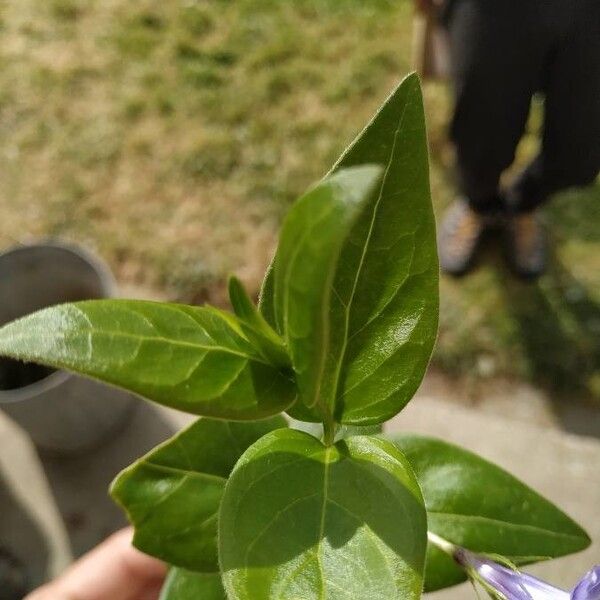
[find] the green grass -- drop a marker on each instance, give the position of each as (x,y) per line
(173,136)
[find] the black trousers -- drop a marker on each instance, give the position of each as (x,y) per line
(503,52)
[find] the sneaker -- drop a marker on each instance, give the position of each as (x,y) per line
(526,245)
(459,238)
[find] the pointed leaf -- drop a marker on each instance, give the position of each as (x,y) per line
(172,494)
(310,242)
(384,313)
(477,505)
(255,327)
(386,285)
(301,520)
(188,585)
(190,358)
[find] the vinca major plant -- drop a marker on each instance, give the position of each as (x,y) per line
(244,506)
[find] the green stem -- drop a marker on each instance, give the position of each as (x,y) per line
(444,545)
(329,431)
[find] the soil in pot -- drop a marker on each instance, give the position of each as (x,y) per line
(15,374)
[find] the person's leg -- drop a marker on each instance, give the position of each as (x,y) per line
(497,53)
(495,56)
(570,153)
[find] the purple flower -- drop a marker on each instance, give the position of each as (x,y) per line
(589,587)
(511,584)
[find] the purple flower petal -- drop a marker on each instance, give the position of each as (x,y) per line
(589,587)
(510,583)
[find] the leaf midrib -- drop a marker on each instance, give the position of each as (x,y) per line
(185,473)
(326,467)
(348,306)
(144,338)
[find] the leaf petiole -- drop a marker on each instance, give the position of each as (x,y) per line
(442,544)
(329,432)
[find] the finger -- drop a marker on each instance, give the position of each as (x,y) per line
(112,571)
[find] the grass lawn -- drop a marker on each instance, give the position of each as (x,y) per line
(172,137)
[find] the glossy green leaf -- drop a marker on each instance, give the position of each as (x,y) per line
(190,358)
(187,585)
(384,313)
(301,520)
(479,506)
(386,285)
(172,494)
(309,246)
(255,327)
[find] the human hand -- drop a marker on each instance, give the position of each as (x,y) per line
(114,570)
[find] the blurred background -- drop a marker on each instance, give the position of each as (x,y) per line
(171,137)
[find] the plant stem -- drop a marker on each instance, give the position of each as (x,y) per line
(329,431)
(444,545)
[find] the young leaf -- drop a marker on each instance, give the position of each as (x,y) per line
(190,358)
(187,585)
(386,285)
(172,494)
(309,246)
(301,520)
(255,326)
(477,505)
(384,307)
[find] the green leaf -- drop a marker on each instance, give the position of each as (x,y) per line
(301,520)
(384,307)
(187,585)
(477,505)
(309,246)
(190,358)
(256,328)
(172,494)
(386,286)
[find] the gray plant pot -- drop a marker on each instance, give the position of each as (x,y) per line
(63,413)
